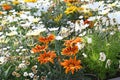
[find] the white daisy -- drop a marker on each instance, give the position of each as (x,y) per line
(102,56)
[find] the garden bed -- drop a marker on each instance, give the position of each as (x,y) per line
(59,39)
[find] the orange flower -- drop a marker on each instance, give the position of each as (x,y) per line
(91,23)
(68,42)
(71,65)
(47,39)
(86,22)
(47,57)
(1,12)
(39,48)
(73,41)
(78,39)
(68,51)
(6,7)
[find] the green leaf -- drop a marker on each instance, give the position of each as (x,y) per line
(7,71)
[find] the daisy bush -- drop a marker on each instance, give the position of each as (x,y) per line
(59,39)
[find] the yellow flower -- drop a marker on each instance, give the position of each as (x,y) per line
(1,28)
(80,9)
(87,14)
(69,4)
(57,18)
(15,2)
(30,1)
(71,1)
(71,9)
(71,65)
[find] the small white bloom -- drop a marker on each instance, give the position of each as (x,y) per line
(59,38)
(118,18)
(89,40)
(103,12)
(104,19)
(4,48)
(23,16)
(25,74)
(119,64)
(84,55)
(31,51)
(3,40)
(26,25)
(95,6)
(13,33)
(17,50)
(107,23)
(112,5)
(22,65)
(108,63)
(20,53)
(8,47)
(112,33)
(35,32)
(53,29)
(2,60)
(115,16)
(36,19)
(1,33)
(103,30)
(35,66)
(21,47)
(31,75)
(31,5)
(24,50)
(80,17)
(113,22)
(83,34)
(91,18)
(64,32)
(23,61)
(13,28)
(80,45)
(102,56)
(119,28)
(79,25)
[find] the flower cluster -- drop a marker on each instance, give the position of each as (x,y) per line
(47,55)
(59,39)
